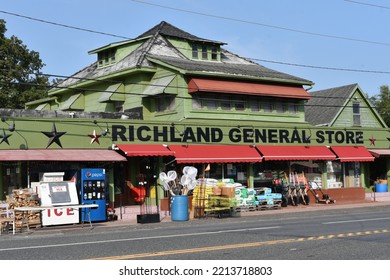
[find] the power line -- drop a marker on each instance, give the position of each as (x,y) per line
(265,25)
(368,4)
(255,59)
(323,67)
(64,25)
(226,18)
(98,80)
(207,15)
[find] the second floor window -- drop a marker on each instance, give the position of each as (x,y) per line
(356,113)
(214,53)
(225,103)
(204,52)
(165,103)
(195,51)
(267,106)
(106,58)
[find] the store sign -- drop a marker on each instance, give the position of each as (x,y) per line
(171,134)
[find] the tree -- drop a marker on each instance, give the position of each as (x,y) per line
(21,79)
(382,103)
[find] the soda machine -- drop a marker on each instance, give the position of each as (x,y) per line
(93,191)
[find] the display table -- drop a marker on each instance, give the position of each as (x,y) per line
(82,207)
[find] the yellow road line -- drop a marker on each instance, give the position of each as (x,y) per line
(240,245)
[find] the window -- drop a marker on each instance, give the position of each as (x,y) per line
(292,108)
(268,107)
(239,105)
(211,104)
(204,52)
(196,103)
(194,51)
(165,103)
(118,106)
(106,58)
(279,107)
(356,113)
(112,58)
(226,105)
(214,53)
(254,106)
(100,59)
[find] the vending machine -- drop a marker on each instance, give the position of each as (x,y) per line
(93,191)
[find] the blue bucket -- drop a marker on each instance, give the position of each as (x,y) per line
(179,208)
(380,187)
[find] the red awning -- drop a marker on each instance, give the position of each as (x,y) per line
(380,152)
(233,87)
(60,155)
(352,153)
(214,153)
(133,150)
(296,153)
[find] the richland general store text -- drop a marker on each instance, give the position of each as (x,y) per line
(170,134)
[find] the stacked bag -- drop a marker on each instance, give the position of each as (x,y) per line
(212,194)
(267,197)
(245,197)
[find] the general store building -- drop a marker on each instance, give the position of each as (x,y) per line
(168,98)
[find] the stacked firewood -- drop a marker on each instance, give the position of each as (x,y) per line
(25,198)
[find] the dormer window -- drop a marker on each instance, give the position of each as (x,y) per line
(214,53)
(106,58)
(205,52)
(195,51)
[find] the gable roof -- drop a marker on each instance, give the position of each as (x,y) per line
(325,104)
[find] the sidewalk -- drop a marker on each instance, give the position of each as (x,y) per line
(129,218)
(371,200)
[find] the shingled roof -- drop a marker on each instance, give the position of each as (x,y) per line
(157,49)
(325,104)
(167,29)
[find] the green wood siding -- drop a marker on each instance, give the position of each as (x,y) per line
(367,115)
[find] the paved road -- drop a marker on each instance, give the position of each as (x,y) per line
(316,233)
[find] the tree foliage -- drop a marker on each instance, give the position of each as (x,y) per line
(21,79)
(382,103)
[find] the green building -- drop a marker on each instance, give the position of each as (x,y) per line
(167,99)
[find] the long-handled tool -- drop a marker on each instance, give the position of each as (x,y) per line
(285,189)
(292,190)
(324,198)
(302,188)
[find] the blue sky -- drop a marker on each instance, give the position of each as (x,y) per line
(318,34)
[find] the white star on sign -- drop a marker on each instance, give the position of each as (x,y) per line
(94,137)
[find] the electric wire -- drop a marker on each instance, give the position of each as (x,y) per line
(253,59)
(265,25)
(203,14)
(63,25)
(368,4)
